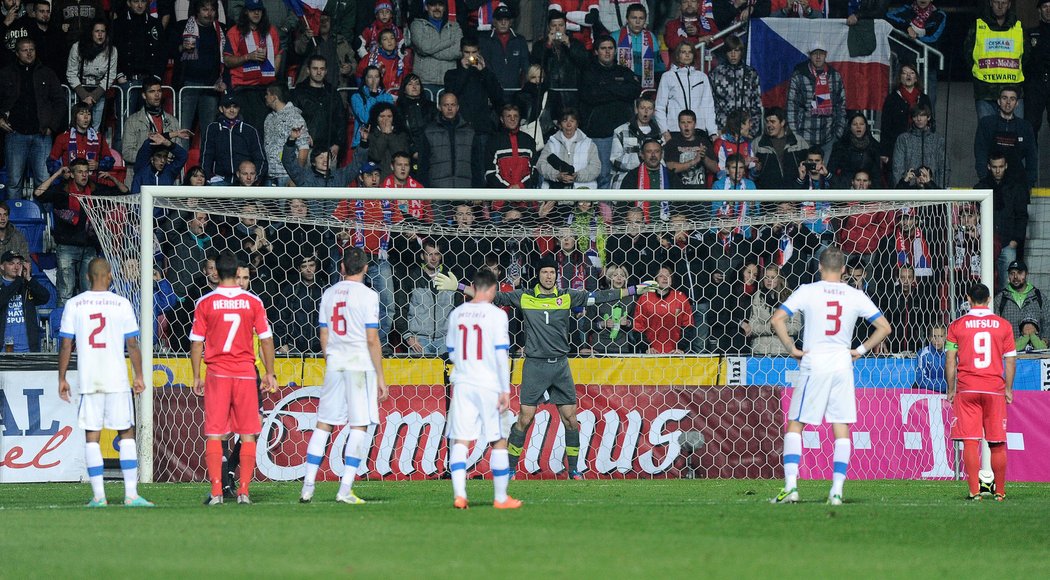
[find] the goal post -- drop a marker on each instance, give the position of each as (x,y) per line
(224,201)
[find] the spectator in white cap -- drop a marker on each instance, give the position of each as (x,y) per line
(816,102)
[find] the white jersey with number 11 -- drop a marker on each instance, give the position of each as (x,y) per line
(477,334)
(831,310)
(100,323)
(347,310)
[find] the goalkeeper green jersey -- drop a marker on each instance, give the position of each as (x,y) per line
(547,316)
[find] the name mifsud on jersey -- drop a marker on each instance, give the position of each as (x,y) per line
(982,323)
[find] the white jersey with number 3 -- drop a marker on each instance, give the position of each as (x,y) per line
(477,334)
(831,310)
(348,309)
(100,323)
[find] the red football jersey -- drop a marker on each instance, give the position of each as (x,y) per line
(982,340)
(226,320)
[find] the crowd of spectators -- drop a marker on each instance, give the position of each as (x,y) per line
(448,93)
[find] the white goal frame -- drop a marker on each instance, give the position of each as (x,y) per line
(149,193)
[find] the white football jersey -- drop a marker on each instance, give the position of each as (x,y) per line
(100,323)
(347,309)
(477,334)
(831,310)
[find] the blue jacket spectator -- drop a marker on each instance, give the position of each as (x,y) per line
(229,141)
(919,20)
(929,366)
(152,166)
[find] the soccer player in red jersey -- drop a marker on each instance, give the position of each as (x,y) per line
(224,323)
(980,350)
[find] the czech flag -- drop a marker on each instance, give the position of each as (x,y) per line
(777,45)
(308,10)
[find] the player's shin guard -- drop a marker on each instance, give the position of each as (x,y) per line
(986,456)
(314,456)
(515,445)
(841,458)
(972,463)
(93,458)
(129,466)
(213,459)
(352,459)
(247,457)
(458,468)
(792,457)
(998,453)
(572,449)
(500,462)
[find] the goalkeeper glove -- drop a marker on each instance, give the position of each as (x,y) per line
(444,281)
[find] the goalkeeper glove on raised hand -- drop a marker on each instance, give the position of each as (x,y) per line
(444,281)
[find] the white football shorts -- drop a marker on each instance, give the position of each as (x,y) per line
(474,415)
(349,398)
(106,410)
(827,396)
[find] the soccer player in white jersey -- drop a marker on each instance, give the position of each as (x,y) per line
(102,323)
(477,341)
(824,388)
(353,379)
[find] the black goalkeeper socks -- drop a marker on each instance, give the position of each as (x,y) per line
(572,448)
(515,445)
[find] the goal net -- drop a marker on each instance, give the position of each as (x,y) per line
(685,382)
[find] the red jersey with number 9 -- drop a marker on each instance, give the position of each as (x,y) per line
(982,340)
(226,320)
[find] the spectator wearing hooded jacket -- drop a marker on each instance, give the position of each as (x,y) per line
(227,142)
(734,85)
(511,153)
(920,147)
(369,95)
(435,40)
(152,166)
(283,117)
(685,88)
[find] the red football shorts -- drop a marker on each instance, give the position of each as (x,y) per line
(979,416)
(231,405)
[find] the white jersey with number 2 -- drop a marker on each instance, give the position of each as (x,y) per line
(347,310)
(831,310)
(100,323)
(477,334)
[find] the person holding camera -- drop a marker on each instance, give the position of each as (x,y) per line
(480,96)
(562,57)
(920,148)
(570,158)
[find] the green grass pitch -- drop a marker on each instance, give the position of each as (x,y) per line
(594,528)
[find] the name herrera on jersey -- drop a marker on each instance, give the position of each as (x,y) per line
(238,304)
(982,323)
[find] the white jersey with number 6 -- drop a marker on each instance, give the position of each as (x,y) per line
(100,323)
(831,310)
(347,309)
(477,334)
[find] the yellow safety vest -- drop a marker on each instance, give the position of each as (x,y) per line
(997,55)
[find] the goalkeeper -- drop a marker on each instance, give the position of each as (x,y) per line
(547,311)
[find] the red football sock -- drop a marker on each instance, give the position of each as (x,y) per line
(972,464)
(999,466)
(213,459)
(247,465)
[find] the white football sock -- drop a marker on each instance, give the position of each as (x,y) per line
(354,451)
(843,448)
(986,456)
(129,466)
(792,457)
(93,458)
(499,460)
(314,457)
(458,467)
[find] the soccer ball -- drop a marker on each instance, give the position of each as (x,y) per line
(987,479)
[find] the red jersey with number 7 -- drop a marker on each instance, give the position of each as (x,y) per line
(226,320)
(982,339)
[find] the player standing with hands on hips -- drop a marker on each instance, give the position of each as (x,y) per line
(354,384)
(225,322)
(547,311)
(478,345)
(824,387)
(980,349)
(102,323)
